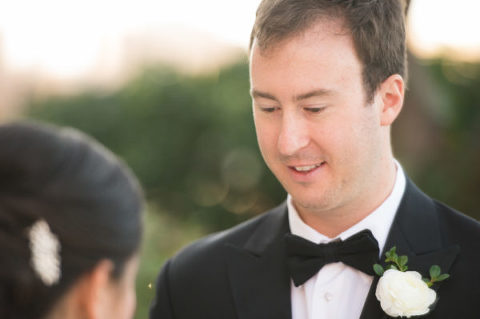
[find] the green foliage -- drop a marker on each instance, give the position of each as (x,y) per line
(395,262)
(435,271)
(378,269)
(163,236)
(391,254)
(435,275)
(443,277)
(402,261)
(445,164)
(398,262)
(189,139)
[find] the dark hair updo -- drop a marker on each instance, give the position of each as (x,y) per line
(90,200)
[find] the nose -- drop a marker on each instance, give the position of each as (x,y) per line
(293,135)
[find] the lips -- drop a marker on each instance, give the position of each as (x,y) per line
(305,168)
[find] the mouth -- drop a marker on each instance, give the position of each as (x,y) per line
(305,169)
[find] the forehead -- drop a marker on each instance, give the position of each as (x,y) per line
(323,55)
(334,24)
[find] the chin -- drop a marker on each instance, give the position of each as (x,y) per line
(311,205)
(313,199)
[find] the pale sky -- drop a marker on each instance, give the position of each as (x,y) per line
(65,37)
(452,24)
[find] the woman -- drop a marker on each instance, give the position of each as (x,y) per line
(70,226)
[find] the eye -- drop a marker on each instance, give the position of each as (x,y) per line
(269,109)
(314,109)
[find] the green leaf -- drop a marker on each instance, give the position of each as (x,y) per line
(392,267)
(391,253)
(443,277)
(378,269)
(426,280)
(435,271)
(403,260)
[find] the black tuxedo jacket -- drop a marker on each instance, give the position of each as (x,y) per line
(241,273)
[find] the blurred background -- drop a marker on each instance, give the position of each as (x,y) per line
(164,84)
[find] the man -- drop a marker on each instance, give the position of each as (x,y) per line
(327,82)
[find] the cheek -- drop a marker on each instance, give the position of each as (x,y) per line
(132,301)
(361,147)
(343,139)
(126,295)
(126,300)
(266,137)
(334,136)
(127,304)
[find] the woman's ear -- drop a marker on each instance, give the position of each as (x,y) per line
(391,97)
(94,291)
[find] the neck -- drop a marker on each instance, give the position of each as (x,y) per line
(334,221)
(67,307)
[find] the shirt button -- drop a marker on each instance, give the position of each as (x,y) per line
(328,296)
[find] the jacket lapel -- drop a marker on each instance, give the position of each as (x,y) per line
(416,233)
(257,271)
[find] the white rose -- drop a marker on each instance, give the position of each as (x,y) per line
(404,294)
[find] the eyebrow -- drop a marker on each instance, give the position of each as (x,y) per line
(256,94)
(314,93)
(317,92)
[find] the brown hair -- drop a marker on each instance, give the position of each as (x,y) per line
(377,28)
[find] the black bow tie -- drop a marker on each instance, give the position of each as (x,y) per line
(306,258)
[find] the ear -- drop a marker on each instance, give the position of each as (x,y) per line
(94,290)
(391,93)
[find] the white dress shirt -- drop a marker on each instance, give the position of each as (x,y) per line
(339,291)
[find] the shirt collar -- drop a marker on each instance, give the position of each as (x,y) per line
(378,222)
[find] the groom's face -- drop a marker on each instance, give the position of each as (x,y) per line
(315,130)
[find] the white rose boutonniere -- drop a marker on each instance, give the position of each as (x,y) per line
(405,293)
